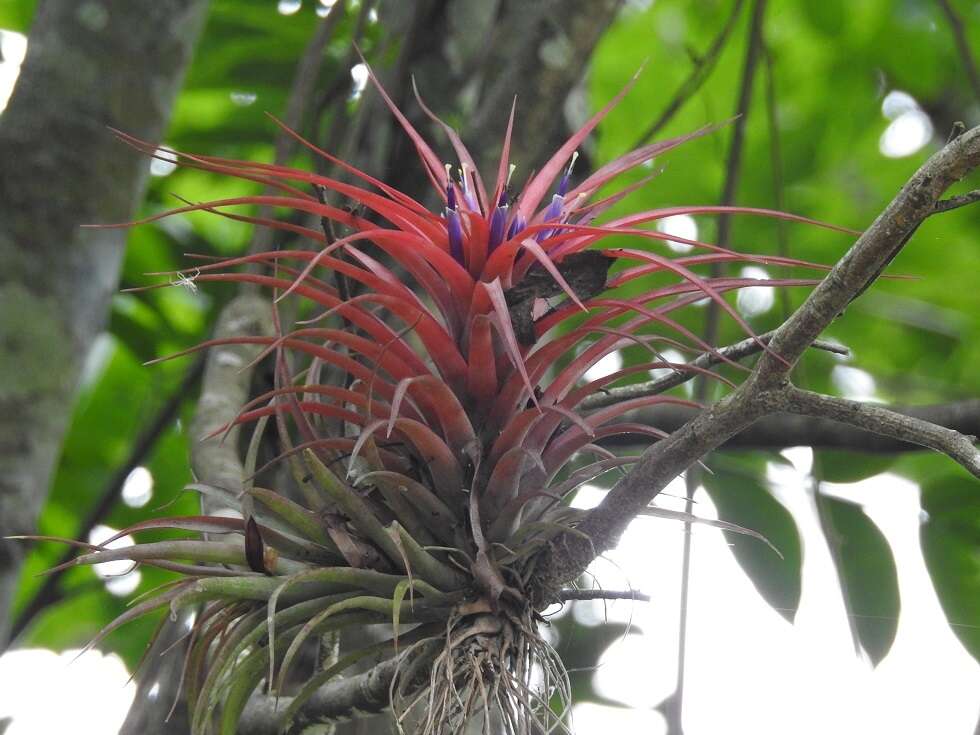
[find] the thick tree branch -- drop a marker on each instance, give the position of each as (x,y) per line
(881,420)
(879,244)
(61,168)
(758,396)
(224,390)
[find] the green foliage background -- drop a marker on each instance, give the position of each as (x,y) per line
(831,63)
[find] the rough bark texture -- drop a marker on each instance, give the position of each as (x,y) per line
(356,696)
(88,66)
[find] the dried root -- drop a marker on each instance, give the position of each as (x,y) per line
(491,668)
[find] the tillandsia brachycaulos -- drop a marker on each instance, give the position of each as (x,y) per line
(434,412)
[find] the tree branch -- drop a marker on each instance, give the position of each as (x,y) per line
(758,396)
(879,244)
(734,353)
(958,201)
(513,65)
(574,595)
(297,105)
(366,693)
(881,420)
(782,430)
(225,389)
(61,168)
(674,709)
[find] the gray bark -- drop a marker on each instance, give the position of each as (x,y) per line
(88,66)
(781,430)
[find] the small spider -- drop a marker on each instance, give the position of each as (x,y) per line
(187,281)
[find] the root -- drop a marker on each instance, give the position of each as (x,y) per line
(489,667)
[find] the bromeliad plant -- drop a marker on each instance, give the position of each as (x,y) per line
(433,411)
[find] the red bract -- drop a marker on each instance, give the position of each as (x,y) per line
(458,345)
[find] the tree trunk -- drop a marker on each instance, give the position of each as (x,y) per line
(89,65)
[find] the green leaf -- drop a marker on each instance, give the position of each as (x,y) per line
(866,568)
(951,546)
(580,647)
(738,489)
(843,466)
(827,16)
(17,16)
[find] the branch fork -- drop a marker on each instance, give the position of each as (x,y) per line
(768,390)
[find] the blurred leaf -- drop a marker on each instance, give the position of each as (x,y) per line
(136,324)
(86,608)
(739,490)
(843,466)
(827,16)
(580,647)
(951,546)
(867,568)
(17,16)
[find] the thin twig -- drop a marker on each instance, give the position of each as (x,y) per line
(305,80)
(703,67)
(339,129)
(733,165)
(733,353)
(49,592)
(343,288)
(945,205)
(573,595)
(962,45)
(825,519)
